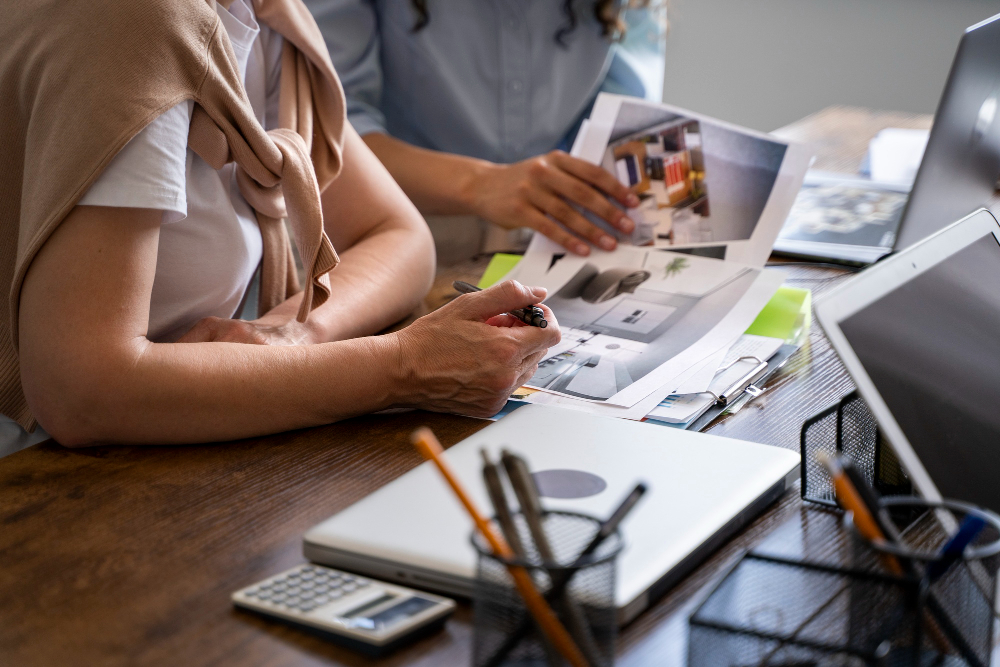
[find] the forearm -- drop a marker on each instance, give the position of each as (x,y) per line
(380,280)
(173,393)
(438,183)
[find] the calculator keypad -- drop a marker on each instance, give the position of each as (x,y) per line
(306,589)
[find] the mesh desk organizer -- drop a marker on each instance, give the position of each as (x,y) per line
(851,603)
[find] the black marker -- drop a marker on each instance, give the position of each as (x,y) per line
(530,315)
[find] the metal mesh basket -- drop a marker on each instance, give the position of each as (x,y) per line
(504,633)
(770,610)
(958,606)
(848,428)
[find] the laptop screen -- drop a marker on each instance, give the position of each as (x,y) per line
(932,349)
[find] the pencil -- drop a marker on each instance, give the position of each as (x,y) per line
(868,526)
(425,442)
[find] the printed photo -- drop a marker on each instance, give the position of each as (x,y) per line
(699,182)
(625,314)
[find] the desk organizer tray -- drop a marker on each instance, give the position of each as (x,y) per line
(848,427)
(781,612)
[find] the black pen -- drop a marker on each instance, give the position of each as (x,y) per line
(531,315)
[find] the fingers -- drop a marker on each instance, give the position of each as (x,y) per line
(536,339)
(576,190)
(202,332)
(528,369)
(550,228)
(596,176)
(505,321)
(499,299)
(558,208)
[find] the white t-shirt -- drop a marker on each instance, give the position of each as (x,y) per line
(210,244)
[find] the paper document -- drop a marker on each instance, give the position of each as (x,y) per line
(635,319)
(684,407)
(894,154)
(702,183)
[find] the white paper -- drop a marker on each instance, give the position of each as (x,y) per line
(636,319)
(894,154)
(701,379)
(682,407)
(677,409)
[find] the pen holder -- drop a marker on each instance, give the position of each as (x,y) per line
(848,427)
(956,602)
(853,610)
(504,631)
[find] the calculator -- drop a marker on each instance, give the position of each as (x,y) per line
(370,616)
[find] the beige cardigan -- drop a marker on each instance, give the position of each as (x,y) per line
(80,78)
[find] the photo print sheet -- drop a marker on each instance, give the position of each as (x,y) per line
(637,319)
(845,211)
(706,187)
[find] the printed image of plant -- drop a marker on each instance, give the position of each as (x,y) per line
(674,267)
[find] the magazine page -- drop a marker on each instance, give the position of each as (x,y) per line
(635,319)
(706,187)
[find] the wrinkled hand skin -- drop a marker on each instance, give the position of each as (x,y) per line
(469,356)
(538,193)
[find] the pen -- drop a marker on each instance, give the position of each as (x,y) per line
(498,498)
(868,526)
(428,445)
(561,579)
(955,547)
(531,507)
(494,487)
(851,500)
(530,315)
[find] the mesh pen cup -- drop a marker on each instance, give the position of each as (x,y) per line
(955,601)
(505,633)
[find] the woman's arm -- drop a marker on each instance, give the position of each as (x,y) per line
(532,193)
(387,263)
(90,374)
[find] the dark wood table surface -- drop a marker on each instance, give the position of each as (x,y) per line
(128,555)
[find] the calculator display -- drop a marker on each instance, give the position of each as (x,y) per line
(398,612)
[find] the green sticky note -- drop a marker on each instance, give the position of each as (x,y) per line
(499,266)
(787,315)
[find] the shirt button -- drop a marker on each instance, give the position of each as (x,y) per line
(516,85)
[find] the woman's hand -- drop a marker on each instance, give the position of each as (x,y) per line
(264,331)
(468,356)
(537,193)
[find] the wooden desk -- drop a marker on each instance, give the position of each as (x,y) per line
(127,555)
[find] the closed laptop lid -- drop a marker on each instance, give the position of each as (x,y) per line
(697,484)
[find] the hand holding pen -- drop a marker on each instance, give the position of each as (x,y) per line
(530,315)
(468,356)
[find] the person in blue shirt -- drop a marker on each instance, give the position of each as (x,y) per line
(472,104)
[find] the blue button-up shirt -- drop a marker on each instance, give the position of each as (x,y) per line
(484,78)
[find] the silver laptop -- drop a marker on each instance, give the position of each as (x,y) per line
(859,222)
(702,489)
(920,335)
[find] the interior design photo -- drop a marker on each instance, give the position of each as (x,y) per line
(665,167)
(615,319)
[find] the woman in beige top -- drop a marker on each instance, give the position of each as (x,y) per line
(125,319)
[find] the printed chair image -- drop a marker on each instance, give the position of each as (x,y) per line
(594,286)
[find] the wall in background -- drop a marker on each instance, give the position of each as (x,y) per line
(765,63)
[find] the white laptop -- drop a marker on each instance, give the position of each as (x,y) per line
(920,334)
(702,489)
